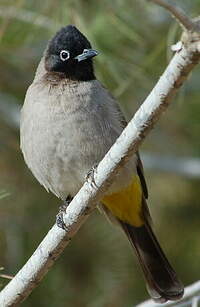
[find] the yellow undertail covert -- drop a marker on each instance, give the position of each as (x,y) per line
(126,204)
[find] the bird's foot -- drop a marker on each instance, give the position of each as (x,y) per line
(62,210)
(90,176)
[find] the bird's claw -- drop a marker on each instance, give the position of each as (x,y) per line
(62,210)
(90,176)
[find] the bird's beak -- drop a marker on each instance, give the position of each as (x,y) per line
(87,54)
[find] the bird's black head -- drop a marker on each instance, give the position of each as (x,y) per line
(70,52)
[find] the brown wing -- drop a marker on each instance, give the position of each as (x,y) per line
(139,165)
(140,172)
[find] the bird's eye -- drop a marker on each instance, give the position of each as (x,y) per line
(64,55)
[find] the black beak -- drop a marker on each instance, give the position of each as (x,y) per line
(87,54)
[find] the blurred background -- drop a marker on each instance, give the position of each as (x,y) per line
(98,268)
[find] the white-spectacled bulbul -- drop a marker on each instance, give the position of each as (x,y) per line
(68,123)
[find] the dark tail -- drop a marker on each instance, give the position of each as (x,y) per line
(162,281)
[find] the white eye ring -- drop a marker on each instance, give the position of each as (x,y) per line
(64,55)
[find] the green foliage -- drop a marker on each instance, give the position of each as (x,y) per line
(134,38)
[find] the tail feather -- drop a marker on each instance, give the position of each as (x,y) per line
(162,281)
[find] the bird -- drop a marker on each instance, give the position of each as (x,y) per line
(69,121)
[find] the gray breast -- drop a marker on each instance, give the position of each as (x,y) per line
(65,130)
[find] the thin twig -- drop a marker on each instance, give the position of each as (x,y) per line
(28,16)
(6,276)
(10,110)
(195,301)
(179,14)
(188,167)
(190,292)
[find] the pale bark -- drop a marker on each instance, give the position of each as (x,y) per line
(184,21)
(190,298)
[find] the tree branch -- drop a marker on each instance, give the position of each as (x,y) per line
(84,202)
(28,16)
(192,291)
(185,22)
(10,110)
(188,167)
